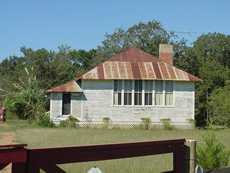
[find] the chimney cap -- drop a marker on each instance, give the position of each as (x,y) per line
(166,48)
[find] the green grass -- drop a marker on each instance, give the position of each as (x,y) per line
(37,137)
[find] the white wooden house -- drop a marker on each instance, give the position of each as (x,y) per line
(127,87)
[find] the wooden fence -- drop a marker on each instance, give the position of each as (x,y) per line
(32,160)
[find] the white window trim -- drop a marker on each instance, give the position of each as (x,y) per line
(143,93)
(122,92)
(143,96)
(153,93)
(132,93)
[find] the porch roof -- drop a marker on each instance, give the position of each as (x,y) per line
(71,86)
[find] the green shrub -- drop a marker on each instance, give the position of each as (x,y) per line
(167,124)
(28,102)
(69,123)
(146,123)
(106,122)
(44,120)
(211,154)
(218,106)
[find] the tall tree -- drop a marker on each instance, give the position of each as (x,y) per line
(212,54)
(146,36)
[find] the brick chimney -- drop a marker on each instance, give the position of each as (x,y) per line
(166,53)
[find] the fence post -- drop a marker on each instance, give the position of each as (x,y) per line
(191,155)
(19,167)
(179,159)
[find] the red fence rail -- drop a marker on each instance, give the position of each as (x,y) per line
(32,160)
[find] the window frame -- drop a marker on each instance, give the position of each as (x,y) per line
(169,92)
(128,91)
(142,92)
(138,92)
(65,104)
(118,92)
(149,92)
(159,92)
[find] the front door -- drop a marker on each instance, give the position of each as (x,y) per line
(66,99)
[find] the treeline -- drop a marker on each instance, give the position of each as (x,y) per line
(24,79)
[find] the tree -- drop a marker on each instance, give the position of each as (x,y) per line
(146,36)
(212,55)
(212,154)
(219,106)
(25,79)
(27,100)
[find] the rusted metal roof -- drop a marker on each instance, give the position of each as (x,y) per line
(70,86)
(134,64)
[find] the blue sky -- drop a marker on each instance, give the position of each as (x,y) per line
(82,24)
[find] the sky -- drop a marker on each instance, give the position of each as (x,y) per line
(82,24)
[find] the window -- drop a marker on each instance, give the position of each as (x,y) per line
(148,92)
(128,92)
(138,92)
(168,93)
(66,98)
(117,92)
(159,93)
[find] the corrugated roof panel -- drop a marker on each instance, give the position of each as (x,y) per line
(142,70)
(136,64)
(129,71)
(92,74)
(122,70)
(150,70)
(156,70)
(185,75)
(171,72)
(164,71)
(70,86)
(107,70)
(100,71)
(114,70)
(136,71)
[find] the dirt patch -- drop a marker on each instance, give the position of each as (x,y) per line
(7,138)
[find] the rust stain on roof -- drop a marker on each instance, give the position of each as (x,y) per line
(70,86)
(135,64)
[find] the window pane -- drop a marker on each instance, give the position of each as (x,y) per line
(115,98)
(117,92)
(138,92)
(119,98)
(168,86)
(159,93)
(138,99)
(168,98)
(159,98)
(148,86)
(128,92)
(127,98)
(138,85)
(117,85)
(128,85)
(159,86)
(148,99)
(148,92)
(168,93)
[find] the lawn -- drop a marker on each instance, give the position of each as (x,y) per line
(37,137)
